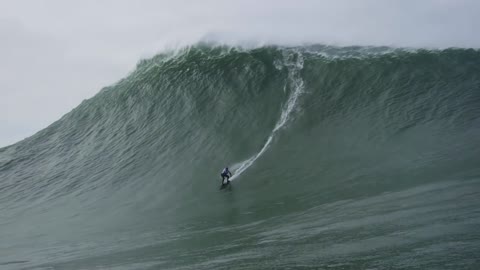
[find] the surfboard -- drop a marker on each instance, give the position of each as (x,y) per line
(224,185)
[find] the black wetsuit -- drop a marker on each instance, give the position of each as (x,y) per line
(225,174)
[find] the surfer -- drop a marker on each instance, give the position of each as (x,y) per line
(226,174)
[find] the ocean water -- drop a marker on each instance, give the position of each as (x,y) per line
(343,158)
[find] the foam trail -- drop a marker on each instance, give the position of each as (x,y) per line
(297,85)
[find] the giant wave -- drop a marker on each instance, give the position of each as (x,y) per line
(343,158)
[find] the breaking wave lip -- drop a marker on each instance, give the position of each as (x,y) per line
(297,83)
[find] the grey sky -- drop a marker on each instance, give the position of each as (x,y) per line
(56,53)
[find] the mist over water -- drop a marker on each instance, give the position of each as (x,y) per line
(343,158)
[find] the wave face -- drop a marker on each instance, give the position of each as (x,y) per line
(343,158)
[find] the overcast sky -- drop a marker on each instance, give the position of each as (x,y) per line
(54,54)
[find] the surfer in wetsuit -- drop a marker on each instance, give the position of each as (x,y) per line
(226,173)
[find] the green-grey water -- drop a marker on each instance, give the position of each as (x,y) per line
(343,158)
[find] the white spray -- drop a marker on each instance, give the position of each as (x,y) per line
(293,61)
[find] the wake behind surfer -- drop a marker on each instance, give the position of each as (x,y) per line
(225,174)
